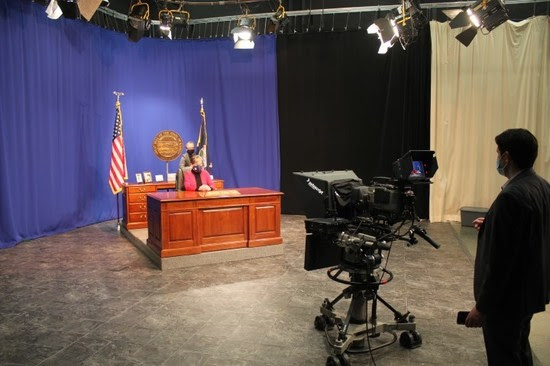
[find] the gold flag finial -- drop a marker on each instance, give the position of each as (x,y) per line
(118,95)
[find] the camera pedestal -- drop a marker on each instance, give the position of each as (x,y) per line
(354,331)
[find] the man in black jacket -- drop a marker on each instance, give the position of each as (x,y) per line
(512,266)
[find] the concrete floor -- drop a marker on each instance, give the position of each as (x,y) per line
(89,297)
(540,325)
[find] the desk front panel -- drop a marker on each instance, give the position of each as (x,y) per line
(179,233)
(171,233)
(202,225)
(223,228)
(265,222)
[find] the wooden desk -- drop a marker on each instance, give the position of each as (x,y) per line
(183,223)
(134,201)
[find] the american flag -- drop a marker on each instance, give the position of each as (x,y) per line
(118,172)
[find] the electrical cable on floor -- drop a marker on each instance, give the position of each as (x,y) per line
(368,337)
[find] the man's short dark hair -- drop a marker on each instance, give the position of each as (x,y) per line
(521,144)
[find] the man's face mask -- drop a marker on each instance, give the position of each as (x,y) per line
(500,167)
(190,152)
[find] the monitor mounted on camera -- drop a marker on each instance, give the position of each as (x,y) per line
(416,166)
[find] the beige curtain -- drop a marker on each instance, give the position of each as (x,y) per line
(502,80)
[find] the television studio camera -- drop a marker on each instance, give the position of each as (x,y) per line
(349,226)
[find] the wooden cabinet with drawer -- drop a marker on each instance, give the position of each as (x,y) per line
(134,201)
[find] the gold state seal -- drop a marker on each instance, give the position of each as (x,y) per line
(167,145)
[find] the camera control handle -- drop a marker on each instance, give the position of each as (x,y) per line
(383,245)
(422,233)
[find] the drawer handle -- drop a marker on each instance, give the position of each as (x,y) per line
(143,207)
(143,198)
(141,189)
(143,216)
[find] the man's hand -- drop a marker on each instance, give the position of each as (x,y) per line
(478,222)
(474,319)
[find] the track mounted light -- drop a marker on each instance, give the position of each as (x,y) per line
(138,21)
(244,33)
(166,19)
(401,24)
(484,14)
(181,17)
(278,20)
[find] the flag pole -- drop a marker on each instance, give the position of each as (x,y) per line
(117,105)
(202,140)
(117,213)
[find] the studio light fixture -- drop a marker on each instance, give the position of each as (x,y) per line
(53,10)
(401,24)
(244,32)
(278,20)
(181,17)
(484,15)
(138,21)
(387,32)
(69,8)
(166,19)
(409,20)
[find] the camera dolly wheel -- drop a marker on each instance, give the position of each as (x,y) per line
(323,322)
(320,322)
(338,360)
(410,339)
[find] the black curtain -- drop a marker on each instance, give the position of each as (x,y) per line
(344,106)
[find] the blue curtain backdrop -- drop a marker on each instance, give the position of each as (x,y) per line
(57,112)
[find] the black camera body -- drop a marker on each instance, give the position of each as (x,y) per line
(358,219)
(358,224)
(383,199)
(354,245)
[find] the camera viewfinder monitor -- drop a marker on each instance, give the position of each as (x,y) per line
(416,166)
(417,170)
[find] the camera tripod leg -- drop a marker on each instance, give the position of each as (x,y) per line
(410,338)
(327,307)
(328,318)
(374,315)
(345,293)
(356,310)
(400,318)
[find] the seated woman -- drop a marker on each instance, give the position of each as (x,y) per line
(197,179)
